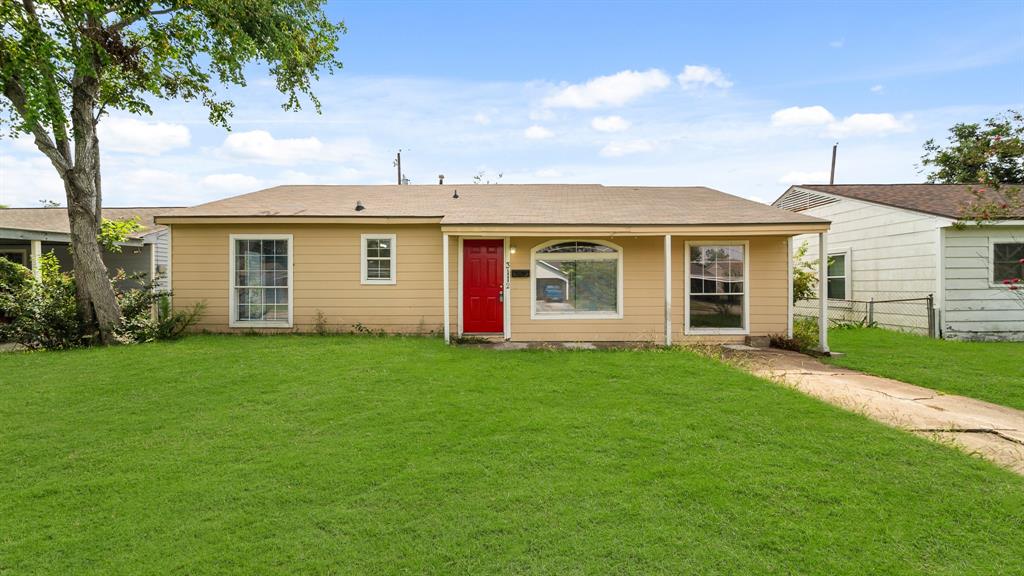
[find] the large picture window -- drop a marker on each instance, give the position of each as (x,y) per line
(1007,262)
(716,288)
(261,280)
(577,279)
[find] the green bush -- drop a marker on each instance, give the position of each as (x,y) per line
(805,336)
(42,314)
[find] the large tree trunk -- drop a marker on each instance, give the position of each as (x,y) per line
(97,305)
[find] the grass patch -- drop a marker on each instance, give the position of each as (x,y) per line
(992,371)
(400,455)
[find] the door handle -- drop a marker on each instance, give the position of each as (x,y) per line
(501,296)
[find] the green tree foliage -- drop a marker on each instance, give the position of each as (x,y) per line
(987,153)
(805,276)
(114,232)
(64,64)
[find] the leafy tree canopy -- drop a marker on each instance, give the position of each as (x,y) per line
(987,153)
(138,49)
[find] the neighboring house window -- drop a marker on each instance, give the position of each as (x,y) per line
(577,279)
(1007,261)
(716,288)
(16,256)
(378,258)
(837,276)
(261,272)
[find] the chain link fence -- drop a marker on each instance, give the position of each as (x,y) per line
(915,315)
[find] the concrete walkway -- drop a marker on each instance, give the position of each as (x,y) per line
(988,430)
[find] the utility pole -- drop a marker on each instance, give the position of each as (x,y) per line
(398,163)
(832,176)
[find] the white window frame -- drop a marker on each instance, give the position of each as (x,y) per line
(363,278)
(233,320)
(745,329)
(619,255)
(847,269)
(26,261)
(992,282)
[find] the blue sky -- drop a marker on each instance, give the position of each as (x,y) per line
(744,97)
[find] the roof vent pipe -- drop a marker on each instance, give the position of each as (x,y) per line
(359,206)
(456,195)
(440,179)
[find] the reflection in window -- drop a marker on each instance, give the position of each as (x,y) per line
(261,280)
(836,289)
(1007,262)
(716,286)
(576,278)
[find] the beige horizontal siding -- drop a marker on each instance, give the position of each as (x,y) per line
(326,280)
(326,276)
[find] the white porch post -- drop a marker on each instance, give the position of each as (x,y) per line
(822,292)
(668,289)
(37,256)
(447,289)
(789,274)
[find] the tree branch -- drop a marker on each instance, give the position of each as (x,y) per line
(128,21)
(58,157)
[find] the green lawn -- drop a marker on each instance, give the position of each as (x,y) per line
(992,371)
(366,455)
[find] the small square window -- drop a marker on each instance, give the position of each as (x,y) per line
(378,259)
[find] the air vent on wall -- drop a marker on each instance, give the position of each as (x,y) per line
(799,199)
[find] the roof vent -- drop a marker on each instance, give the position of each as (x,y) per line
(456,194)
(359,206)
(440,179)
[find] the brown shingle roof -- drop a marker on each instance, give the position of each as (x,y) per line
(56,219)
(939,199)
(507,204)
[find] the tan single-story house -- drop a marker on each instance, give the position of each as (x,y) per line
(28,233)
(514,262)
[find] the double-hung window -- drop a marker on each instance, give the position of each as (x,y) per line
(1007,263)
(577,279)
(261,277)
(838,276)
(377,257)
(716,288)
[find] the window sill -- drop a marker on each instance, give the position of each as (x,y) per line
(580,316)
(258,324)
(366,282)
(715,331)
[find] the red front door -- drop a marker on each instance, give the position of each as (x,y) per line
(483,263)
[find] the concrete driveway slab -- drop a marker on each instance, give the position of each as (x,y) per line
(988,430)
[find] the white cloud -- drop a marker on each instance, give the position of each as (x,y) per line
(25,181)
(548,173)
(482,119)
(233,182)
(878,88)
(615,90)
(694,77)
(863,124)
(543,114)
(261,146)
(124,134)
(618,149)
(798,177)
(609,124)
(802,116)
(537,133)
(837,43)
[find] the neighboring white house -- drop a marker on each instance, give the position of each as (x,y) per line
(27,233)
(896,241)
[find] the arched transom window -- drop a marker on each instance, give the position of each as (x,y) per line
(577,279)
